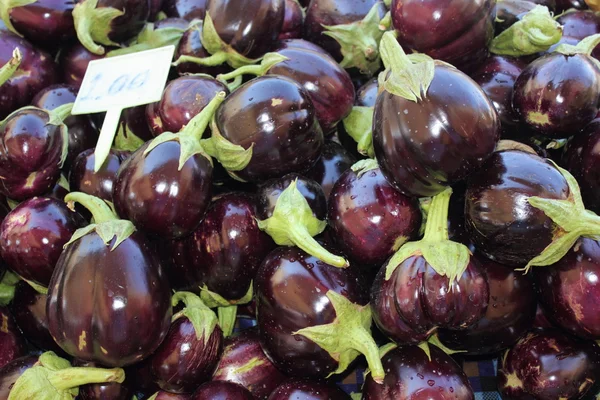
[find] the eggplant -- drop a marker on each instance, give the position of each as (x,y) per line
(548,365)
(564,5)
(82,177)
(313,318)
(74,62)
(458,32)
(296,388)
(118,281)
(133,130)
(12,371)
(189,354)
(32,237)
(369,219)
(356,132)
(522,210)
(293,21)
(220,390)
(162,395)
(103,391)
(432,131)
(300,44)
(12,344)
(186,9)
(579,24)
(350,31)
(412,373)
(429,284)
(541,319)
(569,289)
(334,161)
(244,362)
(190,45)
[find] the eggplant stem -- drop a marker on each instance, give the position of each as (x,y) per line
(436,229)
(8,69)
(98,207)
(227,316)
(73,377)
(362,341)
(300,236)
(211,61)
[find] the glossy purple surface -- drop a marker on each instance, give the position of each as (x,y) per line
(47,22)
(220,390)
(125,27)
(293,21)
(74,62)
(186,9)
(12,343)
(295,388)
(109,391)
(191,45)
(334,161)
(12,371)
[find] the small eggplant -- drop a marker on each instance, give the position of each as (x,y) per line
(432,127)
(244,362)
(117,281)
(295,388)
(32,237)
(103,391)
(350,31)
(356,132)
(548,365)
(412,373)
(313,318)
(186,9)
(12,344)
(154,35)
(221,390)
(191,45)
(430,283)
(334,161)
(189,354)
(74,62)
(564,5)
(370,219)
(293,21)
(98,184)
(12,371)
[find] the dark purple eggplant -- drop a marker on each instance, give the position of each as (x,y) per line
(522,210)
(74,62)
(191,45)
(579,24)
(142,380)
(429,284)
(509,315)
(564,5)
(162,395)
(98,184)
(133,130)
(189,354)
(569,290)
(108,22)
(12,371)
(350,31)
(313,318)
(293,21)
(244,362)
(356,132)
(509,12)
(548,365)
(413,374)
(334,161)
(370,219)
(296,388)
(36,71)
(103,391)
(118,281)
(32,237)
(541,319)
(434,130)
(458,32)
(267,128)
(300,44)
(12,344)
(186,9)
(220,390)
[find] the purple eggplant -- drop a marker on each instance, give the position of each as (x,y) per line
(569,290)
(133,130)
(541,319)
(564,5)
(98,184)
(300,44)
(162,395)
(370,219)
(579,24)
(189,354)
(313,318)
(186,9)
(118,281)
(12,344)
(413,374)
(191,45)
(458,31)
(356,132)
(103,391)
(293,21)
(429,284)
(12,371)
(220,390)
(334,161)
(432,131)
(74,62)
(244,362)
(548,365)
(296,388)
(32,237)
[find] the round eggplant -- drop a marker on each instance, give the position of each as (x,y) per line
(12,344)
(12,371)
(74,62)
(220,390)
(191,45)
(564,5)
(334,161)
(186,9)
(293,21)
(296,388)
(103,391)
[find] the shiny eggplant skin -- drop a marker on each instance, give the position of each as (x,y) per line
(12,343)
(500,223)
(157,197)
(300,44)
(108,391)
(564,5)
(162,395)
(74,62)
(509,12)
(579,24)
(295,388)
(45,22)
(227,248)
(241,351)
(293,21)
(220,390)
(411,375)
(99,184)
(119,293)
(548,365)
(328,85)
(456,31)
(186,9)
(276,116)
(370,219)
(569,290)
(557,95)
(32,237)
(334,161)
(290,291)
(191,45)
(183,362)
(126,26)
(509,315)
(250,27)
(12,371)
(419,151)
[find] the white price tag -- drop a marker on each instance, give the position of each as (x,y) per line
(115,83)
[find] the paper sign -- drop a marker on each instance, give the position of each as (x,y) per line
(115,83)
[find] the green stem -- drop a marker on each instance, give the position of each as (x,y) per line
(227,316)
(202,318)
(197,125)
(436,229)
(98,207)
(585,46)
(62,112)
(590,224)
(362,341)
(300,236)
(8,69)
(189,299)
(74,377)
(212,61)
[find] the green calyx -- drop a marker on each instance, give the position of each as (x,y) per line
(6,6)
(572,222)
(227,317)
(93,25)
(7,287)
(226,309)
(8,69)
(359,42)
(53,378)
(446,257)
(359,126)
(231,156)
(106,222)
(405,76)
(202,318)
(37,287)
(125,139)
(435,340)
(57,117)
(293,224)
(233,79)
(151,38)
(536,32)
(363,166)
(348,336)
(190,137)
(585,46)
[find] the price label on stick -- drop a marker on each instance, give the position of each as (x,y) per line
(115,83)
